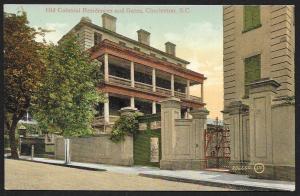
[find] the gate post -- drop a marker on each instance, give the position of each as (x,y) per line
(170,110)
(239,136)
(199,126)
(271,134)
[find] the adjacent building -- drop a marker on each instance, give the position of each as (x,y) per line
(259,50)
(135,74)
(259,42)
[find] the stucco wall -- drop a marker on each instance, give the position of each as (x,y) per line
(98,149)
(283,129)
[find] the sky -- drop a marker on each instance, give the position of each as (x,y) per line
(196,30)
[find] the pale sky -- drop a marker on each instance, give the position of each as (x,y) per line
(197,33)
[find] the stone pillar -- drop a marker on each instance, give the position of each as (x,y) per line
(238,137)
(153,107)
(188,89)
(106,109)
(132,104)
(153,80)
(106,71)
(199,126)
(170,110)
(132,73)
(263,137)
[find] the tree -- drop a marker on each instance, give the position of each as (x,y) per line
(67,97)
(23,70)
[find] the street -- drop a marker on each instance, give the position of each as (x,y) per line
(24,175)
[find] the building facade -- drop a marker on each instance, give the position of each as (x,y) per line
(268,42)
(134,73)
(258,62)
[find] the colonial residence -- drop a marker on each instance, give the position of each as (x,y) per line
(135,74)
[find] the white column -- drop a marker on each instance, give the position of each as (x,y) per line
(106,109)
(188,89)
(153,80)
(106,72)
(132,73)
(153,107)
(202,95)
(67,151)
(172,84)
(132,104)
(188,113)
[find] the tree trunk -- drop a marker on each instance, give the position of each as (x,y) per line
(12,139)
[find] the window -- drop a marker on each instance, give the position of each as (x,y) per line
(252,71)
(251,17)
(97,38)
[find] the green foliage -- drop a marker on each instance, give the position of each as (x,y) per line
(125,125)
(32,128)
(23,69)
(141,147)
(67,95)
(149,118)
(251,17)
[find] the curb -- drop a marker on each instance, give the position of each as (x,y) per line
(64,165)
(215,184)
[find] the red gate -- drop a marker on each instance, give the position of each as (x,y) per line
(217,146)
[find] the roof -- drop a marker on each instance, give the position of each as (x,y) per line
(94,26)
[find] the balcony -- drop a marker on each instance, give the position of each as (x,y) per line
(114,80)
(121,72)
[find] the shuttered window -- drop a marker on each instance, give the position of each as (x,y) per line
(251,17)
(252,71)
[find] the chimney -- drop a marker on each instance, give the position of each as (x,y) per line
(144,36)
(86,19)
(170,48)
(109,22)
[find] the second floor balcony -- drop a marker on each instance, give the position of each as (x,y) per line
(121,72)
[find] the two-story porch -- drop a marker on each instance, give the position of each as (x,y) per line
(132,78)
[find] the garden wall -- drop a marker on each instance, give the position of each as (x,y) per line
(97,149)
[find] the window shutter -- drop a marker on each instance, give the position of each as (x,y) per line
(251,17)
(252,71)
(255,16)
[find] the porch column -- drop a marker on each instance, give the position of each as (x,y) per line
(188,89)
(153,80)
(187,113)
(106,72)
(132,104)
(106,109)
(153,107)
(132,73)
(172,85)
(202,96)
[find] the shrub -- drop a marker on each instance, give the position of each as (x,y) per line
(125,125)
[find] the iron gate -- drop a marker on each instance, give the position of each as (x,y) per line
(217,147)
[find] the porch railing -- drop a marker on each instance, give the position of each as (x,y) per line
(149,88)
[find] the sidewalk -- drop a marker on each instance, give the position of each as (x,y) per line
(210,178)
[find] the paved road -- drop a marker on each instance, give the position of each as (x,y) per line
(37,176)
